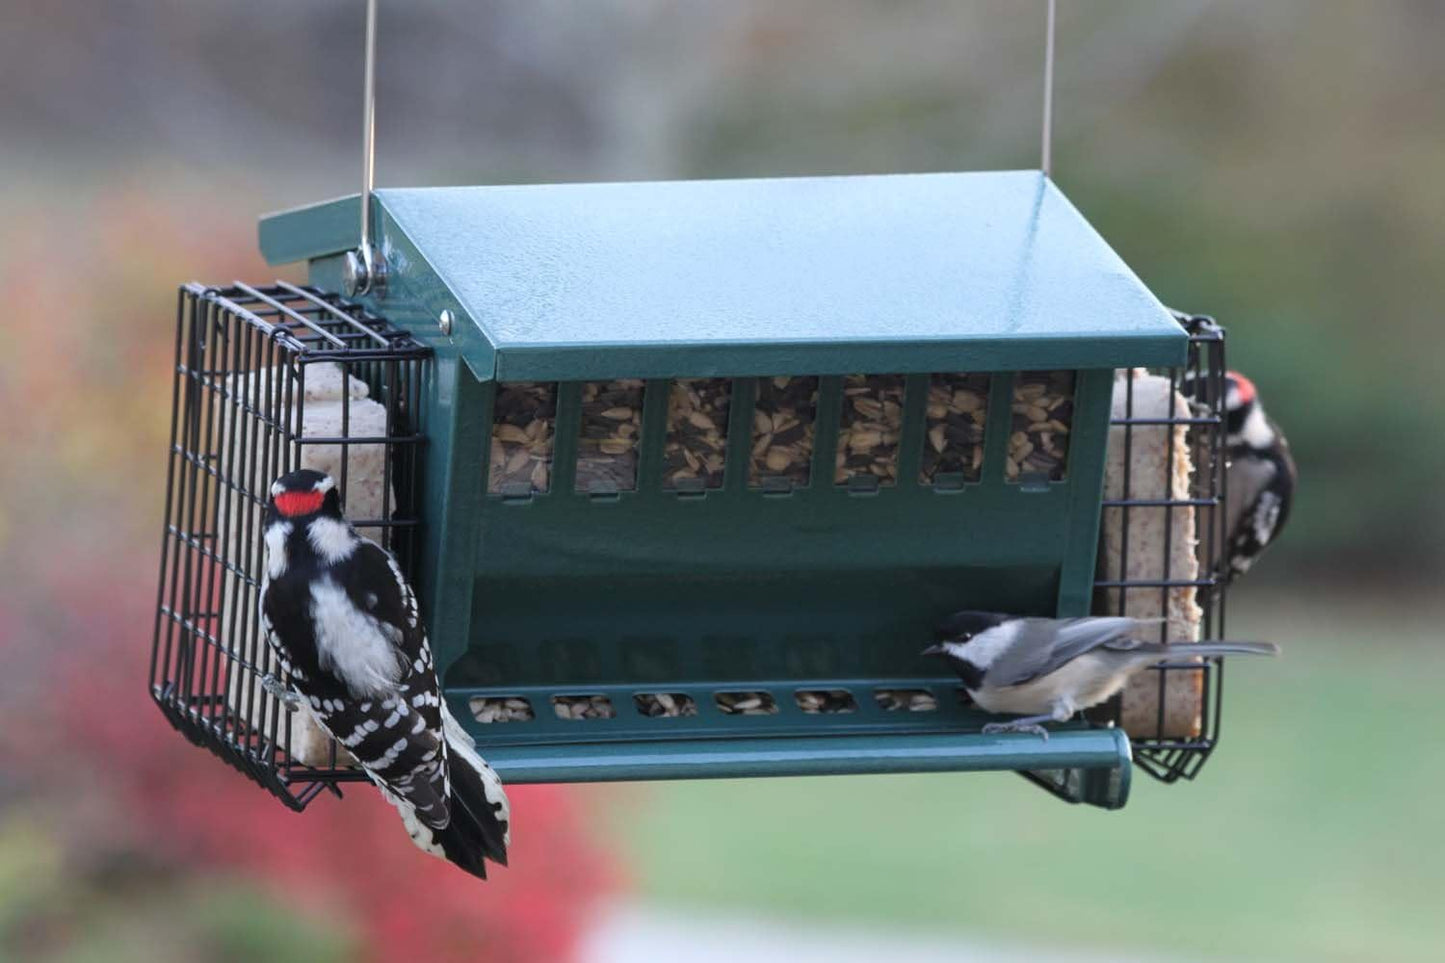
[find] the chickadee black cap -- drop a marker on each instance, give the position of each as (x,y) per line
(965,625)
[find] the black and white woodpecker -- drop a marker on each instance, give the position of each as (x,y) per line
(1045,670)
(1261,481)
(344,626)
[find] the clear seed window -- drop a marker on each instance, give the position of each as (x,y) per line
(697,424)
(521,458)
(1043,410)
(867,455)
(957,413)
(611,427)
(782,454)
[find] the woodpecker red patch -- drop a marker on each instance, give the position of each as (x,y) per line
(292,504)
(1245,386)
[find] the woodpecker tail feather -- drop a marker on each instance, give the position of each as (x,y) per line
(480,824)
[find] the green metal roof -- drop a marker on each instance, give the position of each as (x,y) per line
(919,272)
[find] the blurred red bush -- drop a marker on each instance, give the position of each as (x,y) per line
(88,366)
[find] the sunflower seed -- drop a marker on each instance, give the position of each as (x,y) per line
(956,414)
(665,705)
(521,449)
(697,433)
(905,700)
(501,709)
(825,701)
(1043,407)
(746,703)
(871,425)
(782,448)
(607,442)
(583,707)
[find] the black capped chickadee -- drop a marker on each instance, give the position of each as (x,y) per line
(1045,670)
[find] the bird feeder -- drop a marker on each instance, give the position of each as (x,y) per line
(685,472)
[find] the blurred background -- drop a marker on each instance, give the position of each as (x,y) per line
(1272,164)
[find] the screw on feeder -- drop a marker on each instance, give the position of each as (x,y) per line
(445,321)
(365,270)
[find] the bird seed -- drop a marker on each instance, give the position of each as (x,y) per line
(697,424)
(607,443)
(665,705)
(583,707)
(501,709)
(825,701)
(521,457)
(872,423)
(905,700)
(1043,413)
(746,703)
(782,449)
(955,417)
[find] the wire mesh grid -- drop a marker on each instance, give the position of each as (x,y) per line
(268,380)
(1194,430)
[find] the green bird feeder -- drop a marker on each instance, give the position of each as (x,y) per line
(684,472)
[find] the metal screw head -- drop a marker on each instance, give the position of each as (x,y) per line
(363,271)
(445,320)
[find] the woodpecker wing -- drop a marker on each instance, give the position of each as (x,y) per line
(1041,646)
(397,737)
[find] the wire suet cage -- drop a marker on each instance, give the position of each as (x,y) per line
(268,379)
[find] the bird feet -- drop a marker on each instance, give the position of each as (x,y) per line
(281,691)
(1030,728)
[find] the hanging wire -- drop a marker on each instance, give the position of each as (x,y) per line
(1046,139)
(365,271)
(368,125)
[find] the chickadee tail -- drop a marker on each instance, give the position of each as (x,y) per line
(480,826)
(1186,650)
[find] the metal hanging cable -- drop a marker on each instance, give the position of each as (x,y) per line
(365,271)
(1046,139)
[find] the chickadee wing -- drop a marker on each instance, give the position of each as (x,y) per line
(1041,646)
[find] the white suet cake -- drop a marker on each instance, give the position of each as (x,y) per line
(366,500)
(1153,474)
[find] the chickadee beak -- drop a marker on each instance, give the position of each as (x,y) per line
(934,650)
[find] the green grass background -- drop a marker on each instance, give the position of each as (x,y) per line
(1315,832)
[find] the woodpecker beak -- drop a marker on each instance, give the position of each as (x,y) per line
(934,650)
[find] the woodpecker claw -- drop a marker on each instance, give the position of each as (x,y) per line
(1030,728)
(282,692)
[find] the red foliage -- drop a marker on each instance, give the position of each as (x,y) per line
(79,732)
(349,854)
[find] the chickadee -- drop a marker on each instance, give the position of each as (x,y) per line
(1048,669)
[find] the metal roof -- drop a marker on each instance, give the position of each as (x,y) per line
(915,272)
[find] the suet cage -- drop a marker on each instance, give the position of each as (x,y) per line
(685,472)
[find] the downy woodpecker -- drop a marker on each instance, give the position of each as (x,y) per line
(1261,479)
(345,629)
